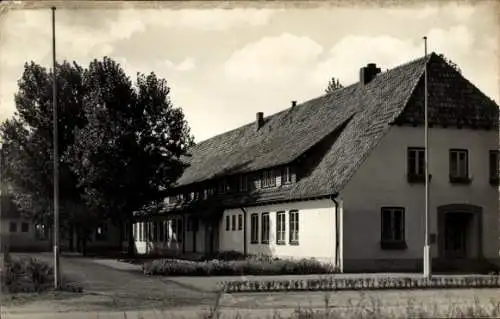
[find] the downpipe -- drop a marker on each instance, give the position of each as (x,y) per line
(337,231)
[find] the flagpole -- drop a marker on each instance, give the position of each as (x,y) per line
(427,251)
(56,155)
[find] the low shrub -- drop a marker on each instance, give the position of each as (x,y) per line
(248,266)
(27,275)
(331,284)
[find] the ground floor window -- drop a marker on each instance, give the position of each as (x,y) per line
(254,228)
(294,227)
(101,233)
(13,227)
(280,228)
(392,227)
(41,232)
(265,228)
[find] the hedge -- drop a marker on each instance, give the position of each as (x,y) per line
(249,266)
(373,283)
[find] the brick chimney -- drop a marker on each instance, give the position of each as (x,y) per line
(294,103)
(259,121)
(368,73)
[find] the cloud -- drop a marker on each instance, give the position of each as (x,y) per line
(273,58)
(186,65)
(298,64)
(201,19)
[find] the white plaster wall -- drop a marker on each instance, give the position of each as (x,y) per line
(381,181)
(316,231)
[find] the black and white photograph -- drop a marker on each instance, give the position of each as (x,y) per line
(249,159)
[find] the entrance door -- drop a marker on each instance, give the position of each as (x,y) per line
(456,233)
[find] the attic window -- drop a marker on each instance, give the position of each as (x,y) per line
(243,182)
(222,186)
(268,178)
(286,175)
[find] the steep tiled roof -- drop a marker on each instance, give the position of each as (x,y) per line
(361,115)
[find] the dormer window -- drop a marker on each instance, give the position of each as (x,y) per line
(222,186)
(268,178)
(244,183)
(286,175)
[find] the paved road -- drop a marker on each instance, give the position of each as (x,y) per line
(126,289)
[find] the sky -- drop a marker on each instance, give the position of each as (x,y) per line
(224,65)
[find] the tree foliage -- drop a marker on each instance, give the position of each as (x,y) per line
(333,85)
(28,144)
(120,144)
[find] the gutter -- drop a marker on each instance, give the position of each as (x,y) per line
(337,230)
(245,248)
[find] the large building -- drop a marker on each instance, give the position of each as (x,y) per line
(341,178)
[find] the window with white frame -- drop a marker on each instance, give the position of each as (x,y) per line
(280,228)
(233,222)
(393,224)
(240,222)
(268,178)
(293,219)
(254,228)
(286,175)
(459,164)
(265,228)
(228,223)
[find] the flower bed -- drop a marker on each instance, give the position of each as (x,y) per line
(249,266)
(374,283)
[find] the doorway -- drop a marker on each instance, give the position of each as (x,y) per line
(456,234)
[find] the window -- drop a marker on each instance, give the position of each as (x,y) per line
(25,227)
(240,222)
(161,232)
(393,228)
(222,186)
(280,228)
(268,179)
(101,232)
(459,166)
(41,232)
(155,231)
(180,230)
(233,222)
(265,228)
(494,169)
(294,227)
(254,228)
(168,231)
(227,223)
(286,175)
(13,227)
(243,182)
(416,165)
(174,234)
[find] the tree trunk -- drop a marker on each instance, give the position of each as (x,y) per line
(85,240)
(71,238)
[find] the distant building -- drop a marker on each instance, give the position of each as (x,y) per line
(341,178)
